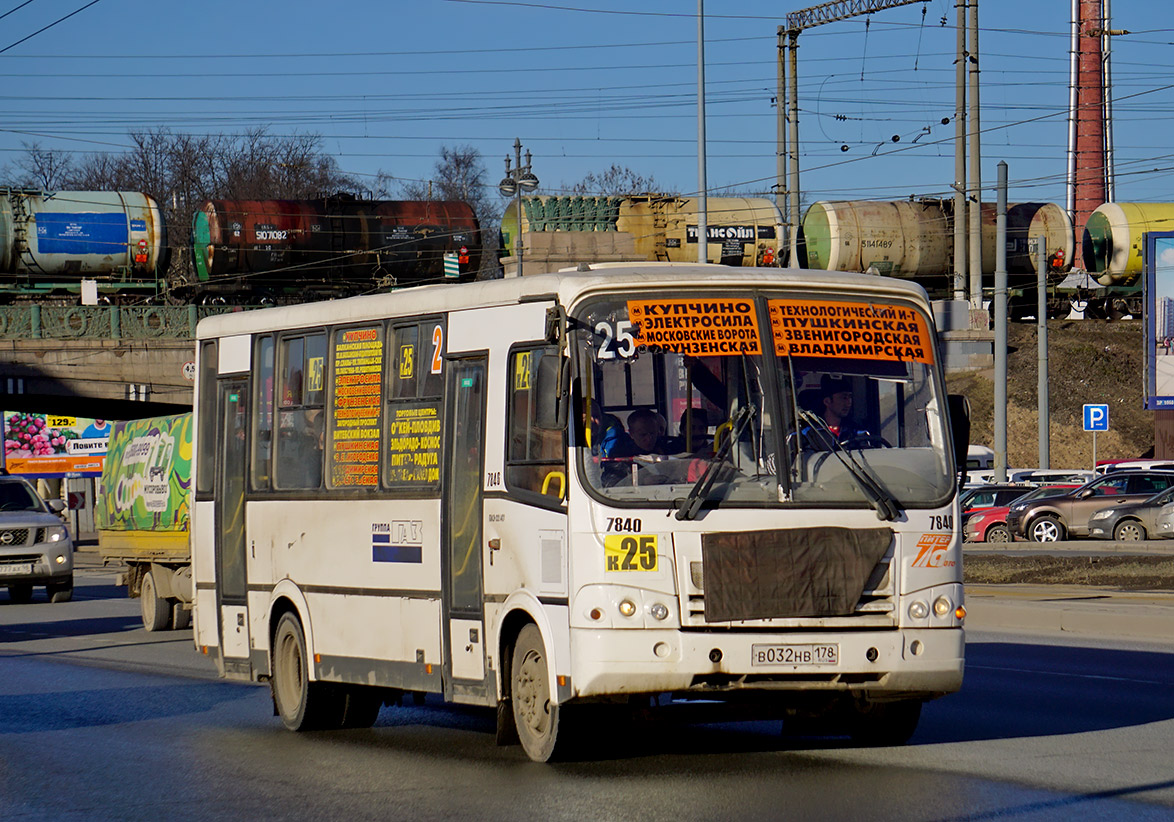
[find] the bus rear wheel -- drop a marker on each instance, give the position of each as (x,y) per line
(536,715)
(302,705)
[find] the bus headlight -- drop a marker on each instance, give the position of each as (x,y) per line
(942,607)
(659,610)
(627,607)
(918,610)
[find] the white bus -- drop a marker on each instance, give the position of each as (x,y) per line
(447,490)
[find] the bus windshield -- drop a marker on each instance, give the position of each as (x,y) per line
(758,398)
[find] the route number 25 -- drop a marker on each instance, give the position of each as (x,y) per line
(618,340)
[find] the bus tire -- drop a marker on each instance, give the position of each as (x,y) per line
(885,723)
(302,705)
(536,714)
(361,706)
(155,609)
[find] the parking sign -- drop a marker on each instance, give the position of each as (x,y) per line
(1096,418)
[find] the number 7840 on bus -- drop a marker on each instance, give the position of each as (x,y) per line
(611,487)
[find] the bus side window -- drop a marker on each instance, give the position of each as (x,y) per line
(536,449)
(299,418)
(206,434)
(263,415)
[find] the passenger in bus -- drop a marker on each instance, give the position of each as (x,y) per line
(609,444)
(299,449)
(646,433)
(693,437)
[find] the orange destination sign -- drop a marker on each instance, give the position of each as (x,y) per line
(697,327)
(865,331)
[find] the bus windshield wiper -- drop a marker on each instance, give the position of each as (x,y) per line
(691,504)
(881,500)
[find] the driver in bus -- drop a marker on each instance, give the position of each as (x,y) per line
(836,402)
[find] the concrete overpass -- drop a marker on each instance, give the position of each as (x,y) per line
(123,363)
(108,362)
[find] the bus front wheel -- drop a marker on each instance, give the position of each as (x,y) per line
(536,714)
(303,705)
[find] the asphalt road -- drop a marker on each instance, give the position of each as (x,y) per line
(101,720)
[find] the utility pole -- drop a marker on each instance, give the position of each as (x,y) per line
(960,255)
(702,184)
(975,161)
(797,21)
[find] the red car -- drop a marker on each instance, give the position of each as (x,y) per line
(990,524)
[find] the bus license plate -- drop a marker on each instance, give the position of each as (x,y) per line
(16,570)
(794,654)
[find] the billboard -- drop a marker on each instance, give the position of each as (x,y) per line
(147,484)
(46,445)
(1159,319)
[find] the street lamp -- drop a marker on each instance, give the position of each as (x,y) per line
(517,180)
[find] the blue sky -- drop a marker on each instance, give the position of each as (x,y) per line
(585,84)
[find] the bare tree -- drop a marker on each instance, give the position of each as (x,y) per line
(617,181)
(459,175)
(43,168)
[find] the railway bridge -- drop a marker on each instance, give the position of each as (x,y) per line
(110,362)
(118,362)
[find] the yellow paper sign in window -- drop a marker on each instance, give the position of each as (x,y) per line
(522,371)
(407,361)
(314,373)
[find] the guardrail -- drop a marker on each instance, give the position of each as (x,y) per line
(105,322)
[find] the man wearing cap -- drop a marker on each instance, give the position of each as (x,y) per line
(836,399)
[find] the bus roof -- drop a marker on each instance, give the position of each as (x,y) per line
(568,287)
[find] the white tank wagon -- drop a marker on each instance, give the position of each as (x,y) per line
(50,241)
(915,238)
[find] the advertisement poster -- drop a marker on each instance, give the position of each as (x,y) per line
(45,445)
(1159,319)
(147,485)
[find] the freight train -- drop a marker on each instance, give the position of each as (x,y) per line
(563,231)
(51,241)
(915,239)
(336,246)
(242,250)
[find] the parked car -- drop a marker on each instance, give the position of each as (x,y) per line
(35,545)
(1052,476)
(1142,465)
(990,524)
(1131,521)
(990,495)
(1050,519)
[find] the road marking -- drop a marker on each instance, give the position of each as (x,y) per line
(1037,672)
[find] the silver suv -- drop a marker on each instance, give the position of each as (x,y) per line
(35,546)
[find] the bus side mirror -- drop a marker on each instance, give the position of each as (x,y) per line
(959,410)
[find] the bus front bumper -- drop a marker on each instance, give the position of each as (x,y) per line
(913,663)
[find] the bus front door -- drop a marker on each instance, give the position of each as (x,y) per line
(464,631)
(232,604)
